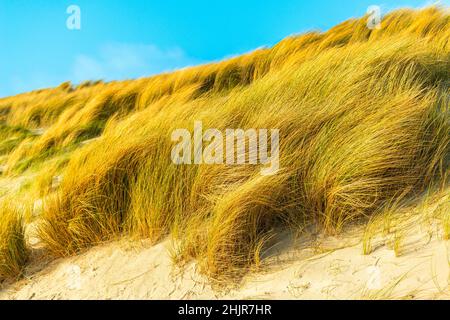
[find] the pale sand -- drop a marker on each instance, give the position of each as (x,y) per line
(311,267)
(122,270)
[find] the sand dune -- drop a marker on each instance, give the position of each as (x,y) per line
(326,268)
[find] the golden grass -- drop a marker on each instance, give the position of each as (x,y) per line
(444,216)
(13,251)
(363,116)
(446,227)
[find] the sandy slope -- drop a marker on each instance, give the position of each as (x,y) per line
(312,267)
(124,270)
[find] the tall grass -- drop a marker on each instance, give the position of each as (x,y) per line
(363,116)
(13,250)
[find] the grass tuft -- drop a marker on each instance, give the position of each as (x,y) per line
(13,250)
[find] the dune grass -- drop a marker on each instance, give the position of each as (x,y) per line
(362,114)
(444,216)
(13,250)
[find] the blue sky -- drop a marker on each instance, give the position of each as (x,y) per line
(122,39)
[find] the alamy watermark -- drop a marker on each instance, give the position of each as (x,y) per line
(73,277)
(231,147)
(374,278)
(374,17)
(73,22)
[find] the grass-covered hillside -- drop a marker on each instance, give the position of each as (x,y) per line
(363,117)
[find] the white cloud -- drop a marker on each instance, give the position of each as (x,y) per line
(112,61)
(116,61)
(87,68)
(33,81)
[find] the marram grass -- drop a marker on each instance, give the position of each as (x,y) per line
(13,250)
(363,116)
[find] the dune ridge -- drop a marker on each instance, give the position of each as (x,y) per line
(363,122)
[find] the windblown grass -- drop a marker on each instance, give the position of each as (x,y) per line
(362,114)
(13,250)
(11,137)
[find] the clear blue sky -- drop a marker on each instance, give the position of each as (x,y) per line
(122,39)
